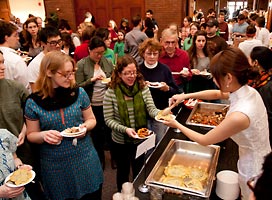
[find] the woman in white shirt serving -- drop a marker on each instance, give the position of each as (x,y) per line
(246,120)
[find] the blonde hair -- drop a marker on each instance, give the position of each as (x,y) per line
(52,62)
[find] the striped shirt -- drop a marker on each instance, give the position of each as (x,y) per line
(112,116)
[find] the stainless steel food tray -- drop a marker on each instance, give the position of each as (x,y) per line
(204,106)
(188,154)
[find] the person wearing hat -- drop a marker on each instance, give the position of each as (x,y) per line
(215,43)
(239,28)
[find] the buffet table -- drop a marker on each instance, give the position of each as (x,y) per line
(227,158)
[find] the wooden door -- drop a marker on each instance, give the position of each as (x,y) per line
(104,10)
(4,10)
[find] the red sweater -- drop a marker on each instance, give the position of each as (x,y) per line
(177,63)
(82,51)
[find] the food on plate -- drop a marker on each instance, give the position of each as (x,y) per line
(20,176)
(106,80)
(181,176)
(143,132)
(160,116)
(208,117)
(154,84)
(72,130)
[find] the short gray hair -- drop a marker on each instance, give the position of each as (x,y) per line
(168,33)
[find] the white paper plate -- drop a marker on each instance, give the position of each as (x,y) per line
(105,80)
(143,138)
(11,184)
(204,73)
(158,85)
(160,120)
(76,134)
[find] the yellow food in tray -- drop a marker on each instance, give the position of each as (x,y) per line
(176,171)
(20,176)
(181,176)
(176,181)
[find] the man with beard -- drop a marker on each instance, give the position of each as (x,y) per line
(215,43)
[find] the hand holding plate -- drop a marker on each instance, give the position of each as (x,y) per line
(131,132)
(11,192)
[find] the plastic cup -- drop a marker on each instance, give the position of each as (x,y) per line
(185,69)
(127,188)
(117,196)
(227,186)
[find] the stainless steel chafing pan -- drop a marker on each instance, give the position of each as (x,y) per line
(188,154)
(206,107)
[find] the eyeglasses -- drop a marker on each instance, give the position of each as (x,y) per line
(170,42)
(68,75)
(252,182)
(54,43)
(130,73)
(152,54)
(99,53)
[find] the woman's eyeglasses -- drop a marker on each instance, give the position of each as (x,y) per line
(68,75)
(130,73)
(152,54)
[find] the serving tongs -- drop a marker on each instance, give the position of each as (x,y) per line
(167,110)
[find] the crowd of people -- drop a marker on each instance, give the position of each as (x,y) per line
(99,79)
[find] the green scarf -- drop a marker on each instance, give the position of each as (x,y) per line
(138,104)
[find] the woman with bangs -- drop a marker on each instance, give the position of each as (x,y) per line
(32,44)
(200,64)
(194,27)
(127,104)
(70,167)
(246,120)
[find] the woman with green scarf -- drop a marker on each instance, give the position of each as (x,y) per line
(126,105)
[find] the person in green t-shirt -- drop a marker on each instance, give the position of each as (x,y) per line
(119,45)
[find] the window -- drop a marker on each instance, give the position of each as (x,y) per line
(236,5)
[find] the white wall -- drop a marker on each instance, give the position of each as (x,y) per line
(21,8)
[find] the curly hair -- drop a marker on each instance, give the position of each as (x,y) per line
(122,63)
(151,44)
